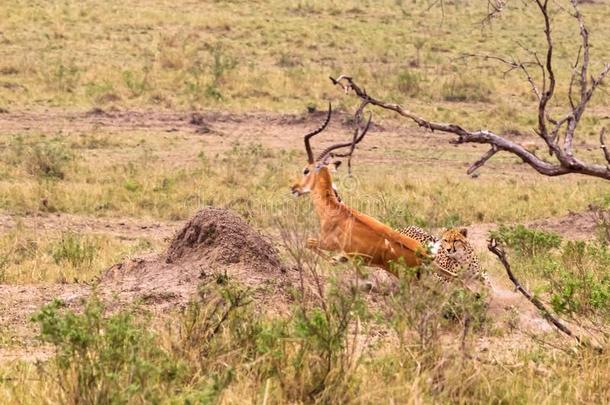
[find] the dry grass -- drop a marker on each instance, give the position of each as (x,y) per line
(274,56)
(61,257)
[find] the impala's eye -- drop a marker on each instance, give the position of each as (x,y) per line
(306,171)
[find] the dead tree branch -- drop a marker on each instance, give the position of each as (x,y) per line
(602,141)
(494,9)
(482,160)
(550,130)
(501,255)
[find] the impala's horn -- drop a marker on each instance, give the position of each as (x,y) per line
(358,136)
(317,131)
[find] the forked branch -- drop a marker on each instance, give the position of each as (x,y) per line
(501,255)
(550,130)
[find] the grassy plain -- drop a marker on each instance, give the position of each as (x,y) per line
(68,72)
(276,55)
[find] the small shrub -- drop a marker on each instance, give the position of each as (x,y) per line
(322,362)
(45,160)
(222,63)
(131,185)
(64,77)
(74,250)
(105,360)
(426,305)
(466,89)
(409,83)
(213,91)
(602,218)
(94,90)
(418,44)
(287,60)
(137,83)
(463,304)
(525,241)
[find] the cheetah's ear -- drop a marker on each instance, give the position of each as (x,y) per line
(464,232)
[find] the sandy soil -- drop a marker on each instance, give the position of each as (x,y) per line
(124,228)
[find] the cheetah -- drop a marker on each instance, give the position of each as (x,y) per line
(453,254)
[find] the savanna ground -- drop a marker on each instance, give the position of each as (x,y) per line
(119,121)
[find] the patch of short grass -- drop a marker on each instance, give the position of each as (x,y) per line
(30,255)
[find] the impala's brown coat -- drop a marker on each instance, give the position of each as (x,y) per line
(346,230)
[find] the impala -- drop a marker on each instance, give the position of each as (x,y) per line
(344,229)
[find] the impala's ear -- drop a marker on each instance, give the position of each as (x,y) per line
(464,232)
(335,165)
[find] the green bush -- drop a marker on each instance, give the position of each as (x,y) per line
(579,281)
(424,309)
(323,358)
(306,355)
(602,218)
(136,82)
(105,360)
(45,160)
(526,241)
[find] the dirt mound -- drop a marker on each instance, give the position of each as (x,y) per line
(220,236)
(215,242)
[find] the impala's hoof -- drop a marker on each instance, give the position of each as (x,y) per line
(311,243)
(365,286)
(340,259)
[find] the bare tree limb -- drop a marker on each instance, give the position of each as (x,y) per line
(501,255)
(482,160)
(572,79)
(565,161)
(512,65)
(480,136)
(602,141)
(494,9)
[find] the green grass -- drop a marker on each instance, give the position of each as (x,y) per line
(254,179)
(277,55)
(573,274)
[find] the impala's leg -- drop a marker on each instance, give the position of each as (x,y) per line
(317,247)
(363,281)
(312,243)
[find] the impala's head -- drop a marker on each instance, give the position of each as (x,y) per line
(326,159)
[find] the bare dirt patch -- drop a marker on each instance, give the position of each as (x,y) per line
(215,245)
(574,226)
(17,305)
(220,130)
(124,228)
